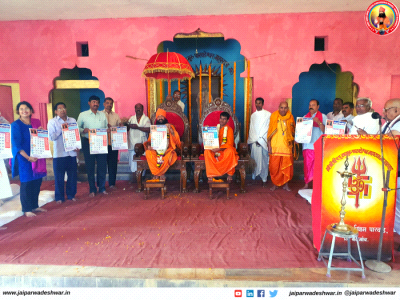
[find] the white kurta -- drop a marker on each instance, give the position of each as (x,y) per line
(331,116)
(136,136)
(259,123)
(365,122)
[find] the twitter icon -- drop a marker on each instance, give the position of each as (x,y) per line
(273,293)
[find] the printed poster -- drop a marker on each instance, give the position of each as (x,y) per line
(98,143)
(335,127)
(364,195)
(210,137)
(303,132)
(119,138)
(71,137)
(159,138)
(40,147)
(5,141)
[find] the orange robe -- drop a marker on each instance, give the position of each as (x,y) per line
(228,159)
(281,137)
(170,156)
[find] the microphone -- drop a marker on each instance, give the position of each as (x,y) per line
(376,115)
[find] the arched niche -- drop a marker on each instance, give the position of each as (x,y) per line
(208,49)
(74,87)
(323,82)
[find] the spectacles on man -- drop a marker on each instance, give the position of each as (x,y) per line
(386,109)
(361,105)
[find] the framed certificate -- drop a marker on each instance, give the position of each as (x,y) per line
(119,138)
(40,147)
(98,143)
(71,137)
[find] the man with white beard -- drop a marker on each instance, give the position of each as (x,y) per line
(259,123)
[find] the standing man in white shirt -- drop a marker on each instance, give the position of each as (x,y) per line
(177,98)
(363,123)
(139,128)
(259,124)
(336,114)
(112,156)
(62,161)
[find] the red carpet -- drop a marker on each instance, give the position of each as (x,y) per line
(259,229)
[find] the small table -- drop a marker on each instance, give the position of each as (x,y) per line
(220,185)
(154,184)
(352,233)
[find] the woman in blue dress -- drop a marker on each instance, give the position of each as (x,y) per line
(30,169)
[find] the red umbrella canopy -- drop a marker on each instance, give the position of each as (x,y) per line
(168,66)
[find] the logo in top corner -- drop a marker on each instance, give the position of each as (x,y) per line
(382,17)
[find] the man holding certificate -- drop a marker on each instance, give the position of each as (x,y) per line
(222,160)
(161,145)
(319,121)
(64,160)
(94,119)
(112,156)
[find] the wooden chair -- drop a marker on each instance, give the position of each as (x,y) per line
(210,117)
(175,117)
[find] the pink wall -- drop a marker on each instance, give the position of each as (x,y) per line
(33,52)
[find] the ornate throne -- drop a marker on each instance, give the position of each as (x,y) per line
(210,117)
(175,117)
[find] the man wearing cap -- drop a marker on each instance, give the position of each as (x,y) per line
(382,21)
(159,163)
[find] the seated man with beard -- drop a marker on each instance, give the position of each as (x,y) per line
(160,163)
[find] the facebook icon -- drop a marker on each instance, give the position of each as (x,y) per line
(260,293)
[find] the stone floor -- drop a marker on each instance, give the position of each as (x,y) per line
(87,276)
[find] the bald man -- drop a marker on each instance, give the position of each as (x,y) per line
(280,146)
(391,113)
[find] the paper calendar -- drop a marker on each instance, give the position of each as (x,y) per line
(40,147)
(71,137)
(304,128)
(119,140)
(5,141)
(98,141)
(210,138)
(335,127)
(159,138)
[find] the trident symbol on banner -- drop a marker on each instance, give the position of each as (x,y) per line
(357,185)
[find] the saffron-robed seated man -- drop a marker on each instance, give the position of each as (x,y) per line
(222,160)
(159,163)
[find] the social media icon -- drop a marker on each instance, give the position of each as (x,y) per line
(238,293)
(273,293)
(260,293)
(250,293)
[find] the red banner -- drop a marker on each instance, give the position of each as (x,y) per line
(364,195)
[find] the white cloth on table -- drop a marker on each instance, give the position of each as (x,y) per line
(365,122)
